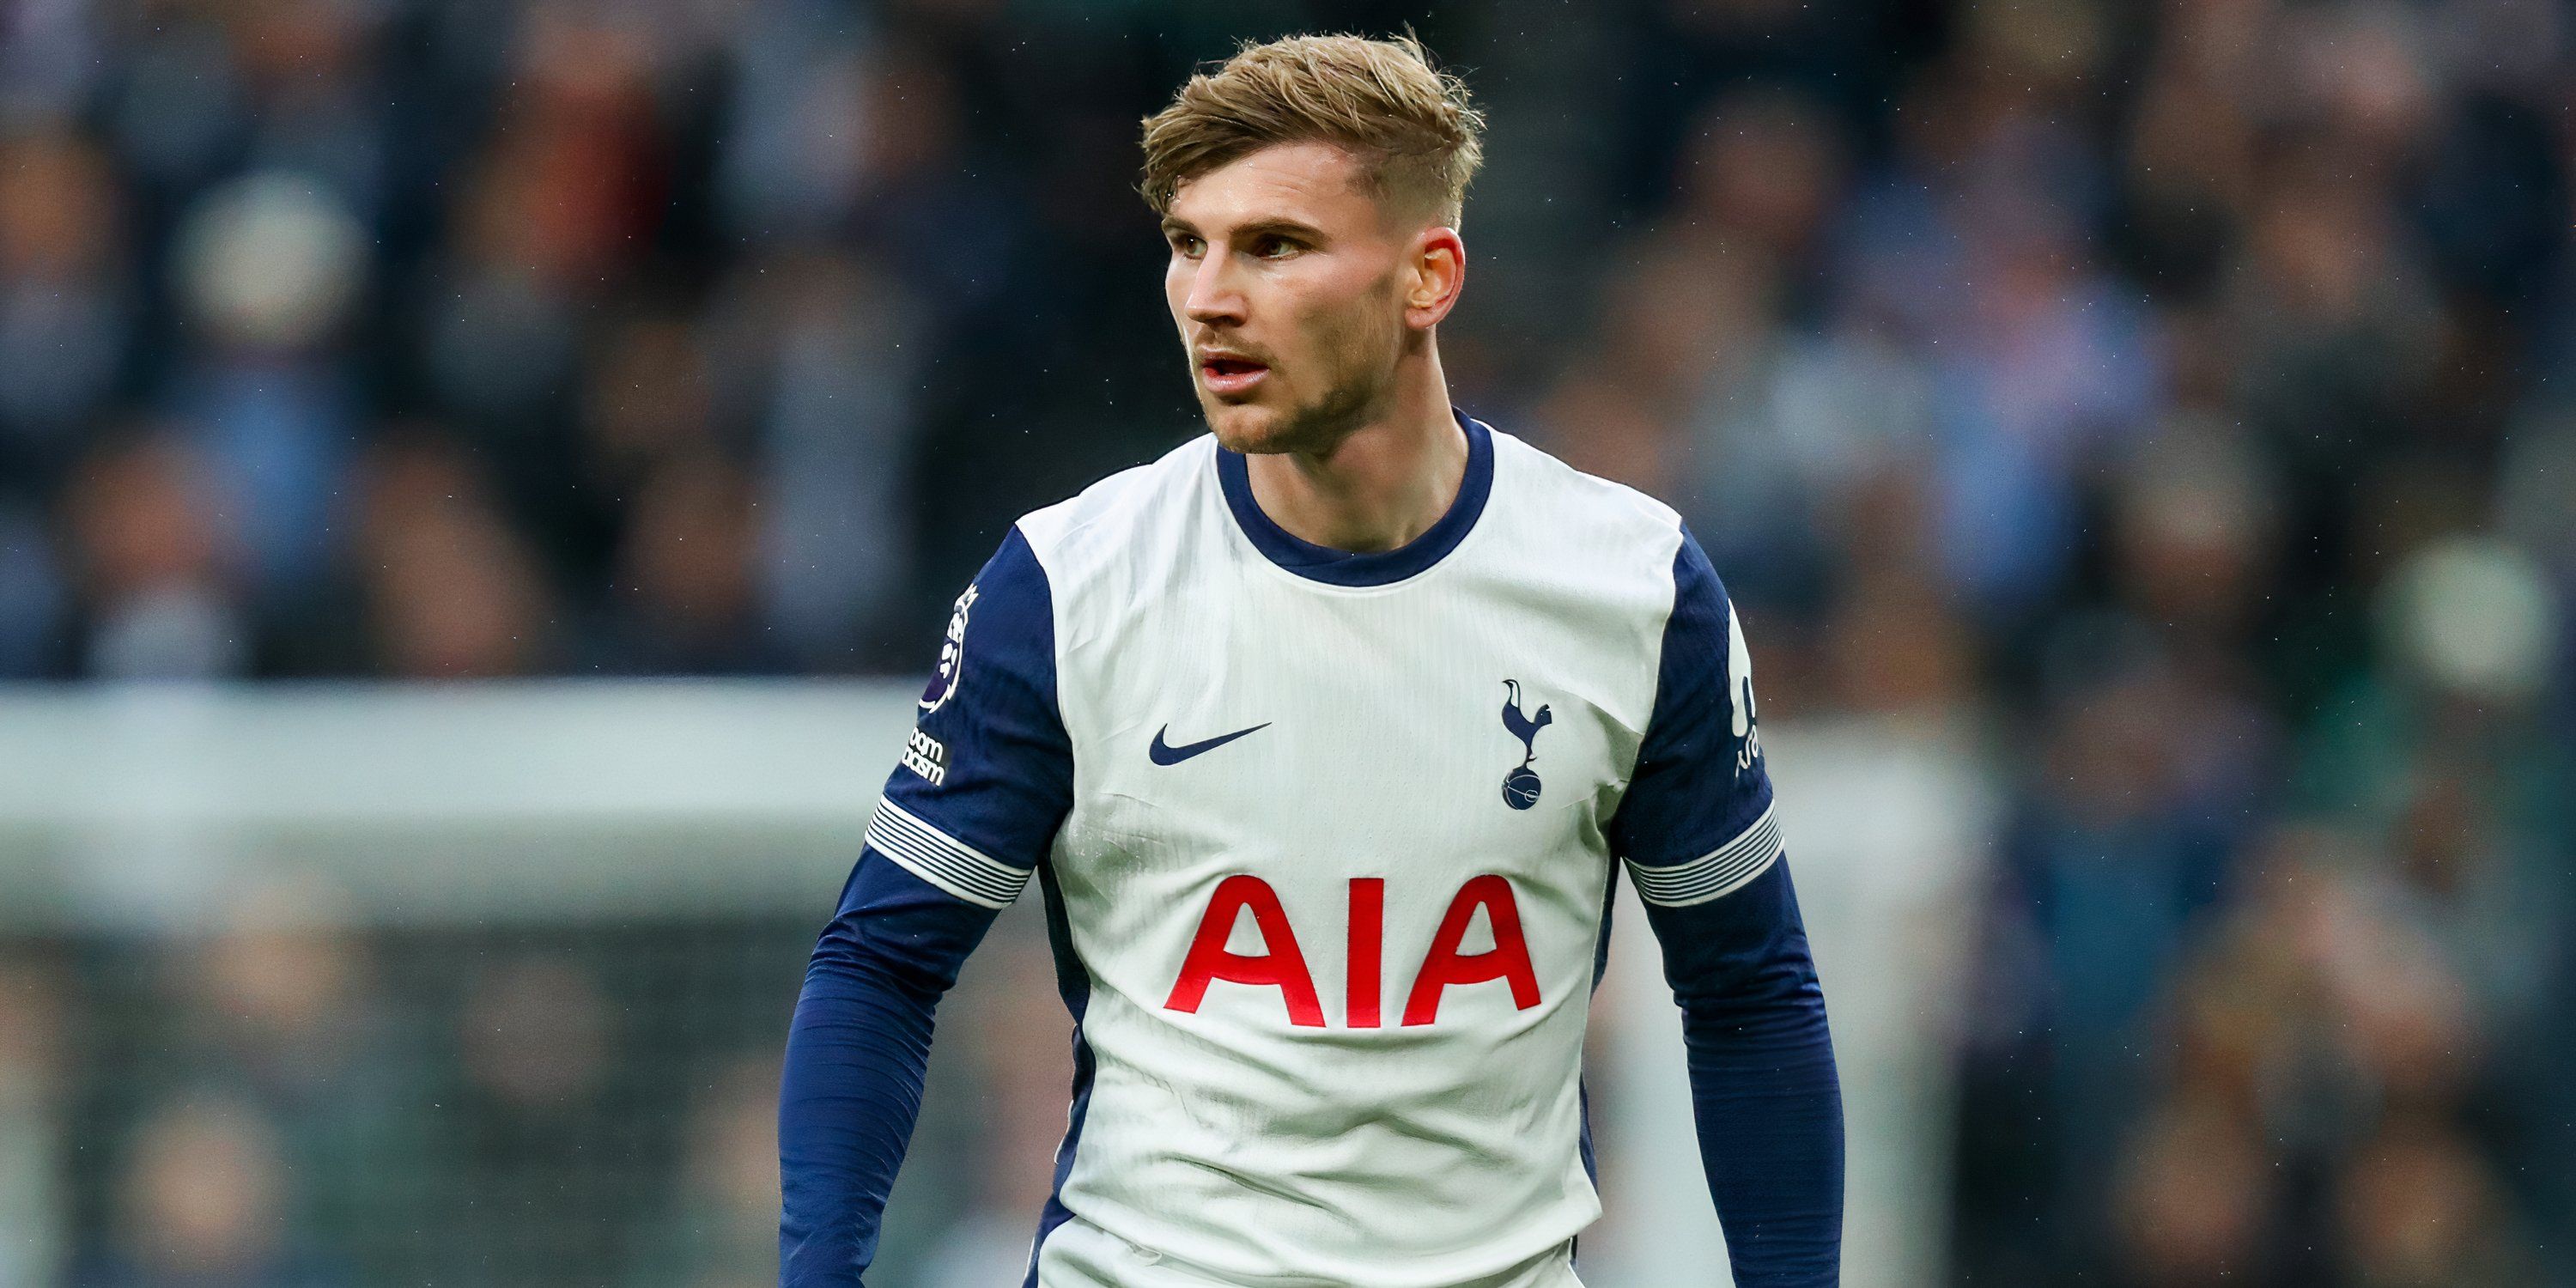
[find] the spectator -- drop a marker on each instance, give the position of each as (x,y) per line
(202,1206)
(34,1032)
(536,1038)
(721,1228)
(161,583)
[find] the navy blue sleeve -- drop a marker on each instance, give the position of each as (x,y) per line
(984,781)
(1698,834)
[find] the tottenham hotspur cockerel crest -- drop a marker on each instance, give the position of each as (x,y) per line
(1521,786)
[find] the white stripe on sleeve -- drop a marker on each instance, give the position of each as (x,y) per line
(943,860)
(1721,871)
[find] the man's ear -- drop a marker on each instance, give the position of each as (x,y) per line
(1437,267)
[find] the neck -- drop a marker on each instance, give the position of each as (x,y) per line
(1381,485)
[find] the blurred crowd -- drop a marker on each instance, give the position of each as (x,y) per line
(2185,391)
(289,1100)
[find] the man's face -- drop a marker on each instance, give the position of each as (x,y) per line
(1289,285)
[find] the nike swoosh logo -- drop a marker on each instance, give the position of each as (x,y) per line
(1166,754)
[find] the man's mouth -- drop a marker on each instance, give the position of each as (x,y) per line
(1230,374)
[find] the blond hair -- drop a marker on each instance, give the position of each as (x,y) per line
(1409,125)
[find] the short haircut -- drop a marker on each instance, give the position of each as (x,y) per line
(1410,125)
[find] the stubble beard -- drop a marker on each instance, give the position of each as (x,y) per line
(1363,357)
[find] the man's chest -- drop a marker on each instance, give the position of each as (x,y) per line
(1381,781)
(1276,724)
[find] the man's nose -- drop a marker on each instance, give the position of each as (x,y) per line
(1215,297)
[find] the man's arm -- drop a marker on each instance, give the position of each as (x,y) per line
(1763,1087)
(856,1055)
(985,780)
(1700,839)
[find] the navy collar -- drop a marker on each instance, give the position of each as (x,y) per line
(1371,568)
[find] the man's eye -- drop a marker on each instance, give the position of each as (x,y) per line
(1185,245)
(1274,247)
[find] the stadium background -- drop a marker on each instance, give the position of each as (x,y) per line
(2156,417)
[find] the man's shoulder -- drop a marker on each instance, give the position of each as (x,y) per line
(1138,508)
(1584,515)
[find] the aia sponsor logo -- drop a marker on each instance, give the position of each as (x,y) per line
(1282,962)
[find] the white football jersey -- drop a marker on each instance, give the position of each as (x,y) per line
(1327,842)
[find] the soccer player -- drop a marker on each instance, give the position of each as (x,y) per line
(1326,737)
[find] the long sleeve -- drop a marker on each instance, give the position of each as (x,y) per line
(967,816)
(857,1053)
(1763,1088)
(1699,835)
